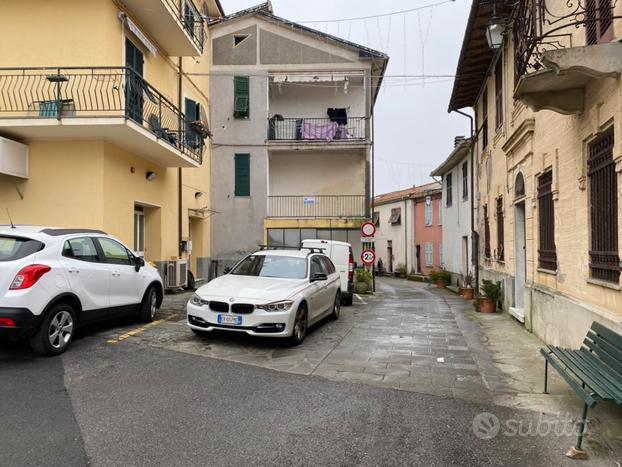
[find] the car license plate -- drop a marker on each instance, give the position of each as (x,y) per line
(228,319)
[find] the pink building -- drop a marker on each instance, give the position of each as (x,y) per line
(428,227)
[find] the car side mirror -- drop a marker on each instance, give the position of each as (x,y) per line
(319,276)
(138,263)
(227,269)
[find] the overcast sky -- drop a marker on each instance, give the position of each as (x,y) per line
(414,133)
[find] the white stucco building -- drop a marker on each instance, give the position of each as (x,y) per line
(456,206)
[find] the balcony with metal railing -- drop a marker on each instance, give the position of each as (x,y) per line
(322,130)
(111,103)
(559,47)
(177,25)
(316,206)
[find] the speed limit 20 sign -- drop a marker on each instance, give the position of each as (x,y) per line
(368,257)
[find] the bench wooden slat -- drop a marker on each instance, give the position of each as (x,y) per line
(589,400)
(603,369)
(604,356)
(599,346)
(599,373)
(610,336)
(582,371)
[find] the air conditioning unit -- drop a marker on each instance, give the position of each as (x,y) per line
(176,275)
(13,158)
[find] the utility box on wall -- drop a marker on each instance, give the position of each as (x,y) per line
(13,158)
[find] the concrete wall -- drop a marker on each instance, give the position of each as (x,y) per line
(558,304)
(457,222)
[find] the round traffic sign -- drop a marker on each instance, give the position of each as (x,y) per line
(368,256)
(368,229)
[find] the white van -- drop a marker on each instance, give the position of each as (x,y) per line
(340,254)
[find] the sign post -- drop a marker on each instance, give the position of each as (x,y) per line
(368,255)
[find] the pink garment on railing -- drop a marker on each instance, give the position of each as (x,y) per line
(310,130)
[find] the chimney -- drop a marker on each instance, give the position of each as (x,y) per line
(458,140)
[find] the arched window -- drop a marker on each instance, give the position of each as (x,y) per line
(519,186)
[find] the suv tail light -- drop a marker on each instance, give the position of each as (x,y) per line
(8,322)
(350,267)
(28,276)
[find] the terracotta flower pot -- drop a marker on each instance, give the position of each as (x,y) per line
(467,293)
(486,305)
(441,284)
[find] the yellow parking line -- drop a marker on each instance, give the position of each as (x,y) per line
(133,332)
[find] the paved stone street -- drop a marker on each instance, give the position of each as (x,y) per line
(427,343)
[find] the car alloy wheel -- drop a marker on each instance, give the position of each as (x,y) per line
(300,325)
(153,306)
(60,331)
(337,306)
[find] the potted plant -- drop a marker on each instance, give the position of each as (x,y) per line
(488,301)
(467,287)
(440,277)
(362,279)
(400,270)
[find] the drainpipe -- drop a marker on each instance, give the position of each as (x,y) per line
(406,234)
(474,234)
(179,171)
(373,178)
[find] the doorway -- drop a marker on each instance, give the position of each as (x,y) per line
(390,255)
(465,256)
(134,62)
(518,310)
(139,231)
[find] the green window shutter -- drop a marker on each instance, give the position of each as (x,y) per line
(242,175)
(241,96)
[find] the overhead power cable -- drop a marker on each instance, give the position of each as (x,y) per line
(359,18)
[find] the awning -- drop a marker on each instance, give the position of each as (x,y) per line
(560,86)
(140,35)
(314,78)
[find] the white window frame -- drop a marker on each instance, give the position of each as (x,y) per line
(429,253)
(440,212)
(429,211)
(139,232)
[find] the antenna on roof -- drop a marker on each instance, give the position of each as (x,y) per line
(10,220)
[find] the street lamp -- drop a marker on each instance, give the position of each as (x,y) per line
(494,33)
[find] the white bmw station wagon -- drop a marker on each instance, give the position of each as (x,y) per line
(277,293)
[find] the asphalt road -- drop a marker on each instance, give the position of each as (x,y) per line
(131,404)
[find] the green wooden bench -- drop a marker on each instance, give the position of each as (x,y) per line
(594,371)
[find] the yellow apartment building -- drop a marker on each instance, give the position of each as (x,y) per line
(543,78)
(103,121)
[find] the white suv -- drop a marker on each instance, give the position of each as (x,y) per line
(277,293)
(52,280)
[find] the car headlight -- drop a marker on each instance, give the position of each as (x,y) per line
(285,305)
(198,301)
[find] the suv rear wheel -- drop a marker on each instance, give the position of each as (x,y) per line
(56,331)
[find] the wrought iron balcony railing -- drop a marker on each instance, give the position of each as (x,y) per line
(316,206)
(316,129)
(190,19)
(541,25)
(98,92)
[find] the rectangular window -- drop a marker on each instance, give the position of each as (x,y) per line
(241,96)
(486,234)
(376,218)
(193,112)
(500,233)
(242,175)
(440,212)
(604,256)
(396,216)
(499,92)
(465,180)
(448,189)
(428,211)
(139,231)
(547,255)
(429,254)
(598,21)
(276,237)
(485,120)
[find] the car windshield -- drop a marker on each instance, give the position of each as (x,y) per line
(284,267)
(12,248)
